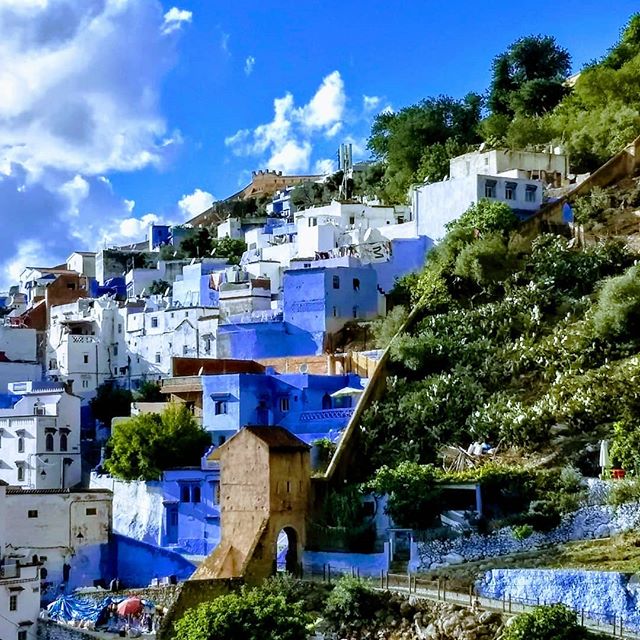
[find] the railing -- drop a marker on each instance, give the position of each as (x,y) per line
(618,626)
(327,414)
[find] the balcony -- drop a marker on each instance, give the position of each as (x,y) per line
(327,414)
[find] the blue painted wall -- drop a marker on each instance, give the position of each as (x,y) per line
(137,563)
(263,399)
(366,564)
(408,255)
(194,289)
(601,594)
(271,339)
(323,299)
(197,529)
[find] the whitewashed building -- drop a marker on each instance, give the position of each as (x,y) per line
(68,532)
(516,178)
(18,355)
(19,584)
(40,437)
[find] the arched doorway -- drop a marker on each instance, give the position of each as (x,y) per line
(287,551)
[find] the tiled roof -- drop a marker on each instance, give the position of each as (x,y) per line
(278,438)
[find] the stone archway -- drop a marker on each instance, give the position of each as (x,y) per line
(287,559)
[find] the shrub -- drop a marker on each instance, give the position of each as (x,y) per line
(623,491)
(625,447)
(350,603)
(617,313)
(543,515)
(555,622)
(484,261)
(413,494)
(522,531)
(385,329)
(251,614)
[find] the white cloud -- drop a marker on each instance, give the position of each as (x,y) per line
(249,63)
(370,103)
(287,139)
(324,166)
(224,43)
(175,18)
(195,203)
(291,158)
(326,108)
(78,102)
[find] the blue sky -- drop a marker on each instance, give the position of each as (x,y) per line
(136,110)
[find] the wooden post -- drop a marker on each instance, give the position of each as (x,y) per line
(382,578)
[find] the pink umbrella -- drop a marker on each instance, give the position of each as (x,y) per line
(130,607)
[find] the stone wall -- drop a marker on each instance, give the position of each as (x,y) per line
(49,630)
(600,595)
(161,596)
(597,521)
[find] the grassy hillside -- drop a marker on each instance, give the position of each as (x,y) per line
(531,348)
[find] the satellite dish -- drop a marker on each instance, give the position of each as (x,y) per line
(303,368)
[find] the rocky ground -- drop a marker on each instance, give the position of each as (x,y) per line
(403,619)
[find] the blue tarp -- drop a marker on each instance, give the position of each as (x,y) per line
(67,608)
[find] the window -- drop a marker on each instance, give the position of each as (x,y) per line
(510,191)
(48,442)
(288,486)
(154,322)
(71,286)
(284,404)
(20,444)
(85,358)
(32,513)
(91,511)
(20,473)
(22,635)
(355,312)
(336,282)
(38,409)
(85,384)
(220,407)
(186,314)
(43,573)
(185,349)
(486,161)
(119,328)
(13,603)
(530,193)
(356,284)
(157,358)
(352,219)
(207,345)
(490,189)
(64,441)
(195,494)
(184,493)
(335,312)
(115,349)
(215,491)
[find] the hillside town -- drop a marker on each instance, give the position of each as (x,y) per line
(389,397)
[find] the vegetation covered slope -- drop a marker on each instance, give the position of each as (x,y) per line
(512,346)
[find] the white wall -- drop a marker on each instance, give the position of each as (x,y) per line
(28,603)
(138,507)
(19,344)
(21,428)
(65,528)
(434,205)
(496,161)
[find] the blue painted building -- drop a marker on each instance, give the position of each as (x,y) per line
(302,403)
(191,499)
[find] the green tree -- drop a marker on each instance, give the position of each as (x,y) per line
(485,216)
(146,445)
(627,48)
(484,261)
(401,139)
(554,622)
(625,446)
(229,248)
(159,287)
(198,244)
(251,614)
(414,498)
(110,402)
(149,391)
(529,77)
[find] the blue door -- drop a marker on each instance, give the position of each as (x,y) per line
(172,524)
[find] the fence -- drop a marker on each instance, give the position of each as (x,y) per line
(617,626)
